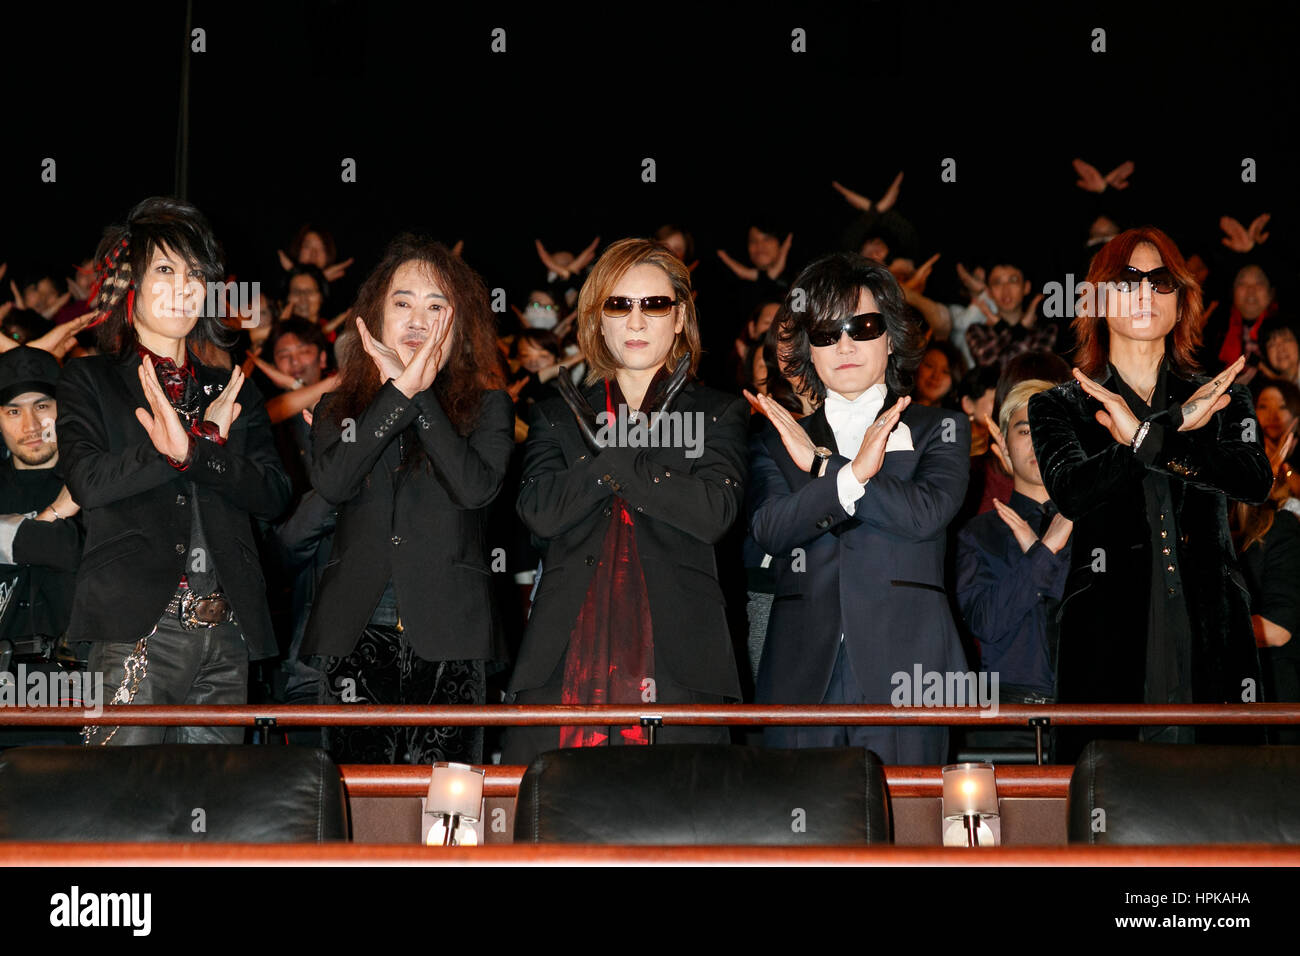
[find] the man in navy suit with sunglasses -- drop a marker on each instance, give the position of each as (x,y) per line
(853,503)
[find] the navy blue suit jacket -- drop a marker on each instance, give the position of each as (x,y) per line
(1004,594)
(875,576)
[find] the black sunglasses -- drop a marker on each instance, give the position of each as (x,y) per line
(1161,279)
(654,306)
(861,328)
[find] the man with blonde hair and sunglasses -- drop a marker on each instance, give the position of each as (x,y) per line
(627,485)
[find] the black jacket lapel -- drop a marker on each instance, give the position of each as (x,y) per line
(819,429)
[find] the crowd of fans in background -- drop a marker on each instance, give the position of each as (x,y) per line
(1007,338)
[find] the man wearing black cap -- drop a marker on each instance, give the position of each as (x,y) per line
(40,540)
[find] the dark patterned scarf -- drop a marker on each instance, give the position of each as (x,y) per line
(182,388)
(611,656)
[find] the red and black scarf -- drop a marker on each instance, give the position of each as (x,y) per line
(611,657)
(185,394)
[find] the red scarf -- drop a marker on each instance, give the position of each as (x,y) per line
(1231,350)
(611,649)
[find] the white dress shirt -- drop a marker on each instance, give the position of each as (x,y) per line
(849,420)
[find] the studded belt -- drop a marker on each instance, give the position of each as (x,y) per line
(195,611)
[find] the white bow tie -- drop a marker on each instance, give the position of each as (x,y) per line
(840,411)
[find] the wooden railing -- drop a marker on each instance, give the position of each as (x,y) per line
(746,715)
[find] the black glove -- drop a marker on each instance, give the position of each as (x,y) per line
(581,409)
(668,388)
(665,393)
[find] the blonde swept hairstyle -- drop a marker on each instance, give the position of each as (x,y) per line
(1018,398)
(613,264)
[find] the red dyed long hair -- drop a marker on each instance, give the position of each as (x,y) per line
(1093,335)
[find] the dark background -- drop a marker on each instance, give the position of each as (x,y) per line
(546,140)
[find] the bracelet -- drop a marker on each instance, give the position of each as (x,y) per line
(1140,434)
(55,512)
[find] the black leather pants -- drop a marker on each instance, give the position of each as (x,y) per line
(205,665)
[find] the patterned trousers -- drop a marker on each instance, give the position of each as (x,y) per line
(383,669)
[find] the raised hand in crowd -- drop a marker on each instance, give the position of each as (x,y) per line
(49,311)
(332,272)
(335,271)
(1277,460)
(1117,178)
(916,281)
(1240,239)
(1092,180)
(1030,315)
(859,201)
(973,281)
(57,341)
(571,268)
(1089,178)
(750,273)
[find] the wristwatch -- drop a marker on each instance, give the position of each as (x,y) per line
(821,455)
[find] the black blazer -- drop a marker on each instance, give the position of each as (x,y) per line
(875,576)
(422,529)
(682,507)
(1097,482)
(136,509)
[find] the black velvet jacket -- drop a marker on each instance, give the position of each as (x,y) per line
(1097,482)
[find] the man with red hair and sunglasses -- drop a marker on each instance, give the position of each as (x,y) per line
(1143,454)
(853,503)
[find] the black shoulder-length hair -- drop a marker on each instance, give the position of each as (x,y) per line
(825,293)
(155,222)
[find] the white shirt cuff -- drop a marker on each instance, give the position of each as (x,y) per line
(8,531)
(849,488)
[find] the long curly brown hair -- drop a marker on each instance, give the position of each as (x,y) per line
(474,365)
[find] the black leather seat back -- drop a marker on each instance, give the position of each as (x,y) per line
(1164,794)
(692,794)
(172,792)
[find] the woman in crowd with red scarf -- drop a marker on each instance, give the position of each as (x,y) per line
(628,483)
